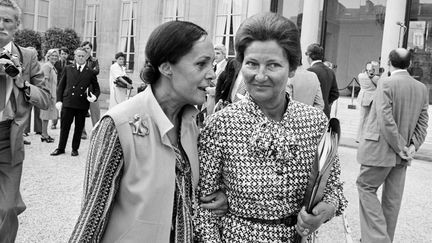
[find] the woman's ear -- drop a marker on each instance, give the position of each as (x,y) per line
(165,69)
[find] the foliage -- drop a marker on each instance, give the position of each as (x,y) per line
(56,38)
(29,38)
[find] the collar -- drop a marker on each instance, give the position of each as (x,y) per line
(155,111)
(219,64)
(399,71)
(83,65)
(8,47)
(316,61)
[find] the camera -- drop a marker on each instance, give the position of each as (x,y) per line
(10,69)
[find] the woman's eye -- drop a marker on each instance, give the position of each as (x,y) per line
(251,64)
(273,65)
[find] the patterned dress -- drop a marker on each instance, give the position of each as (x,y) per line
(264,166)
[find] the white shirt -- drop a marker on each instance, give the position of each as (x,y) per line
(316,61)
(398,71)
(81,67)
(238,80)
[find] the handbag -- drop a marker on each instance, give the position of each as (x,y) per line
(120,84)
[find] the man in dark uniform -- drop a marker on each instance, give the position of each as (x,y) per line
(78,87)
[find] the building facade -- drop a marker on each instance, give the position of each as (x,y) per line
(351,32)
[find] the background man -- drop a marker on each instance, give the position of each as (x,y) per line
(93,64)
(326,76)
(78,86)
(394,130)
(17,95)
(59,66)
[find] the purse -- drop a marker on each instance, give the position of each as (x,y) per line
(120,84)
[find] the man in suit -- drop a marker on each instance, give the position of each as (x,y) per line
(78,87)
(18,93)
(228,82)
(394,130)
(326,76)
(59,66)
(93,64)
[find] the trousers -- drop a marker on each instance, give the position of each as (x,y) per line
(378,220)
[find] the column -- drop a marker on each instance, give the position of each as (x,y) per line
(395,12)
(310,25)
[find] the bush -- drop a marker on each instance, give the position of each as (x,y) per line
(56,38)
(29,38)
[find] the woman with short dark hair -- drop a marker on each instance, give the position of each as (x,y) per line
(120,84)
(261,149)
(142,167)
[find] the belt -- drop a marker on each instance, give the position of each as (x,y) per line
(287,221)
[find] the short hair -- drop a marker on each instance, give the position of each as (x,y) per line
(315,52)
(221,48)
(266,27)
(86,43)
(12,4)
(64,49)
(119,54)
(50,52)
(400,58)
(79,49)
(168,43)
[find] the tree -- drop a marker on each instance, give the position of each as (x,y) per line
(55,38)
(29,38)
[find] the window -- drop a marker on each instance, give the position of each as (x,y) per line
(174,10)
(229,15)
(91,24)
(128,31)
(35,15)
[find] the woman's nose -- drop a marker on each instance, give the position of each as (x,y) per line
(261,75)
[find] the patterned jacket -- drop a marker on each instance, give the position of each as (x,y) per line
(264,166)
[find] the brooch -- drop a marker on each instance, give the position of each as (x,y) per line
(138,126)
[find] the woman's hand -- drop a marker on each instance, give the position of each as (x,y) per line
(216,202)
(308,223)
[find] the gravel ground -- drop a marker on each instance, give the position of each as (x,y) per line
(52,189)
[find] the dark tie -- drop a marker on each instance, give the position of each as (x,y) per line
(79,68)
(214,68)
(2,92)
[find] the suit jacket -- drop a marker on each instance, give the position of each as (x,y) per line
(328,83)
(226,80)
(39,97)
(398,118)
(305,87)
(72,90)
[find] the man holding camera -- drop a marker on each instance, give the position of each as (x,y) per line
(78,88)
(22,85)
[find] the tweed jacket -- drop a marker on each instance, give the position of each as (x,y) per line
(39,96)
(264,166)
(72,90)
(398,118)
(328,83)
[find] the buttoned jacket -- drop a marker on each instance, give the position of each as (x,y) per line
(73,86)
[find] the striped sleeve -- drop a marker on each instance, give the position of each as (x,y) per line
(101,183)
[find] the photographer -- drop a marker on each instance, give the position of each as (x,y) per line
(368,80)
(22,85)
